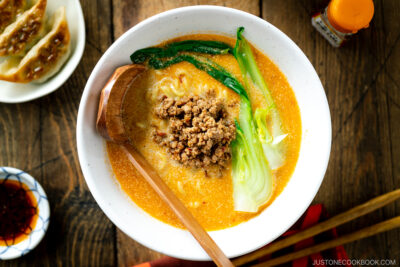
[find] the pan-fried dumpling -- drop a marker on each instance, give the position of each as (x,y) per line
(25,31)
(45,58)
(9,10)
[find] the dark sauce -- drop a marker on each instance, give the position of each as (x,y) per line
(18,212)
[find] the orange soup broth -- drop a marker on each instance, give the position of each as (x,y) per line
(209,199)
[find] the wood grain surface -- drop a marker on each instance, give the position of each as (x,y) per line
(362,83)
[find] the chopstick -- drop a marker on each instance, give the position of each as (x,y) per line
(363,233)
(337,220)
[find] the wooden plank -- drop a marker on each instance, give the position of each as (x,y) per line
(392,89)
(387,31)
(126,15)
(344,72)
(389,84)
(131,252)
(369,170)
(361,162)
(39,137)
(17,121)
(360,169)
(129,13)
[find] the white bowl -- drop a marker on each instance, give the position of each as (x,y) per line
(13,251)
(315,143)
(20,92)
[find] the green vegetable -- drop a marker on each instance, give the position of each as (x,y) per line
(172,49)
(273,147)
(270,134)
(252,178)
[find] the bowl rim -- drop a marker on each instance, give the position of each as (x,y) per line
(36,235)
(83,162)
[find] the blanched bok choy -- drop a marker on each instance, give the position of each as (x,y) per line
(252,178)
(172,49)
(268,121)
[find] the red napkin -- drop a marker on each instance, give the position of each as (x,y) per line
(312,216)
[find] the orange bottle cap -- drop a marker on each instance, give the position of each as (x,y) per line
(350,15)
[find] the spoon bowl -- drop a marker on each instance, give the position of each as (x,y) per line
(109,118)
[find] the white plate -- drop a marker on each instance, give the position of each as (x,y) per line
(19,92)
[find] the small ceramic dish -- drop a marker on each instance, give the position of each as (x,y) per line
(18,249)
(20,92)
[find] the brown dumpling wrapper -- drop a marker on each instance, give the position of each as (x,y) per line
(23,33)
(45,58)
(9,10)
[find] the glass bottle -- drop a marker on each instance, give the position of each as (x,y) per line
(342,19)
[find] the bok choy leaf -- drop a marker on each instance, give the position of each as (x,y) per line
(269,125)
(172,49)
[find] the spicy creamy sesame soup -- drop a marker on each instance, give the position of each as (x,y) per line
(182,120)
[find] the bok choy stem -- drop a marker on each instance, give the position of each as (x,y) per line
(252,178)
(270,134)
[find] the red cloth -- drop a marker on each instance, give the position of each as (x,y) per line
(313,215)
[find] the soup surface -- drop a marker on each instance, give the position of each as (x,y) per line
(210,199)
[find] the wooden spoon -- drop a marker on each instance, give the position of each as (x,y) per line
(110,125)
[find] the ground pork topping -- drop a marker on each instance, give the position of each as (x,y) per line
(199,131)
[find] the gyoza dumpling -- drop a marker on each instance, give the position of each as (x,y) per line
(45,58)
(9,10)
(25,31)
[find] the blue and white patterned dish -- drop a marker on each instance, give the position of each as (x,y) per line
(17,250)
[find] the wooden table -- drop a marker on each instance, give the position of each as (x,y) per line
(362,83)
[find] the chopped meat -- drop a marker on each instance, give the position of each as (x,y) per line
(199,131)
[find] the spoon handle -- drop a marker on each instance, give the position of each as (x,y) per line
(184,215)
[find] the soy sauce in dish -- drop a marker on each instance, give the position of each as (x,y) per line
(18,212)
